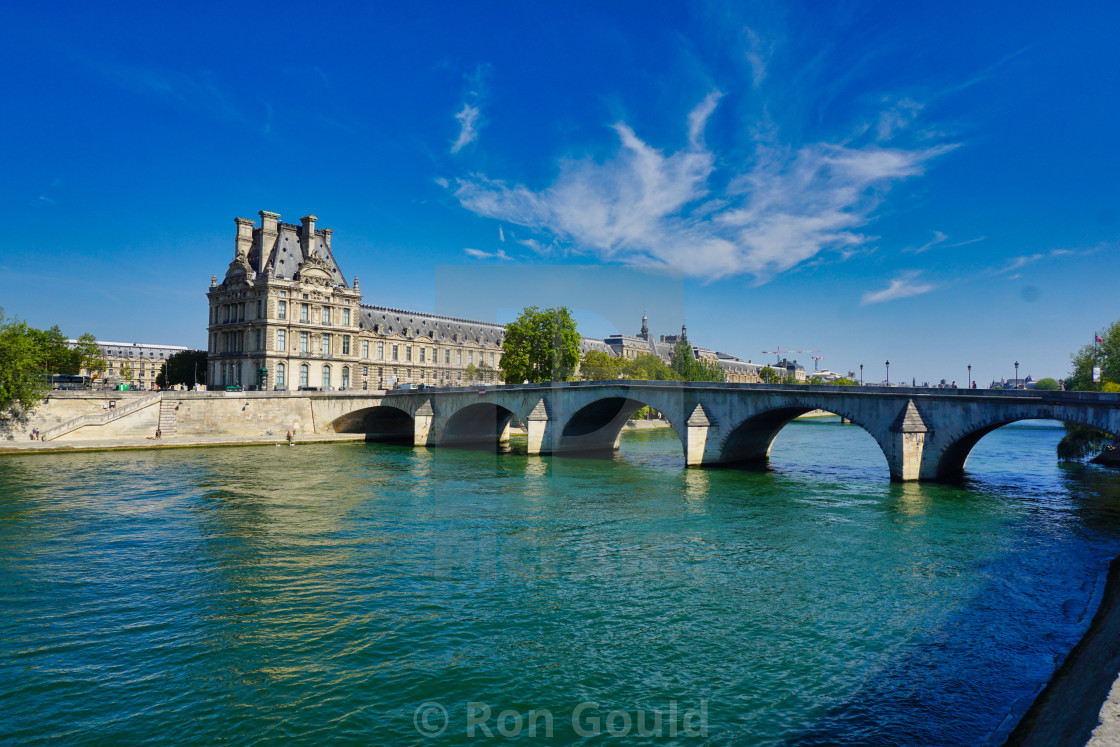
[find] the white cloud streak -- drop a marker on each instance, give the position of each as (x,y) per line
(1021,261)
(646,206)
(479,254)
(902,286)
(468,119)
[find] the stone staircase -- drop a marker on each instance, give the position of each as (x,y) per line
(117,413)
(168,417)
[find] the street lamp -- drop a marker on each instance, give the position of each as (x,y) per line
(888,373)
(1016,384)
(969,375)
(861,374)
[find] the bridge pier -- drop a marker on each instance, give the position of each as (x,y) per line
(539,427)
(907,440)
(701,442)
(422,424)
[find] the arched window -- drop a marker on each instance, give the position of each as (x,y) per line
(326,377)
(303,375)
(345,377)
(280,375)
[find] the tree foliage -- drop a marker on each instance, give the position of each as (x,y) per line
(470,373)
(689,368)
(1047,384)
(180,368)
(648,367)
(29,355)
(599,366)
(769,375)
(1082,441)
(541,345)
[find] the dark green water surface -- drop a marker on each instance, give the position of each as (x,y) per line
(375,594)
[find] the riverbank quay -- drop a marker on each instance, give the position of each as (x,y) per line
(1080,705)
(174,442)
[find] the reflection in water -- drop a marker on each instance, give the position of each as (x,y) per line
(270,594)
(695,485)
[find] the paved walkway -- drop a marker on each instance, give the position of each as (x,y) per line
(171,442)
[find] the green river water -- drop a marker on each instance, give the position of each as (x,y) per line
(384,595)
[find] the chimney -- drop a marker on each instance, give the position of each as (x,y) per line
(327,236)
(244,240)
(268,237)
(307,234)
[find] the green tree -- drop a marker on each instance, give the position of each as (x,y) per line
(126,372)
(816,380)
(1082,441)
(843,382)
(181,368)
(682,359)
(707,369)
(470,373)
(597,365)
(541,345)
(27,357)
(769,375)
(22,385)
(648,367)
(1047,384)
(90,356)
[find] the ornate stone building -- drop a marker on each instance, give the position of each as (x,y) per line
(285,318)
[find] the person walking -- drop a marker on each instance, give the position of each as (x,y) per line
(290,439)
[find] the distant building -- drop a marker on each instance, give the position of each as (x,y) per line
(130,362)
(285,318)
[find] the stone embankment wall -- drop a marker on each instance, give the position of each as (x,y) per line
(60,407)
(193,414)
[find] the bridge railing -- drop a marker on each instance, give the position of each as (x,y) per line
(894,391)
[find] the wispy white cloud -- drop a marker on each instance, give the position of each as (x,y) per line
(468,119)
(1021,261)
(501,235)
(939,239)
(643,205)
(758,56)
(533,244)
(902,286)
(479,254)
(897,117)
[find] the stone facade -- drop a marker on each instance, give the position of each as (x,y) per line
(130,362)
(284,318)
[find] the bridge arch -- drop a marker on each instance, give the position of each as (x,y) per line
(750,440)
(379,423)
(952,458)
(479,425)
(597,426)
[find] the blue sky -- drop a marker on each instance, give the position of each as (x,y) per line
(933,184)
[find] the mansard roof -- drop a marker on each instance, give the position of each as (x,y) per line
(590,343)
(383,320)
(286,257)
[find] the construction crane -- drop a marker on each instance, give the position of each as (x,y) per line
(817,359)
(779,352)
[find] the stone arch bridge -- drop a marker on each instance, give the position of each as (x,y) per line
(925,434)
